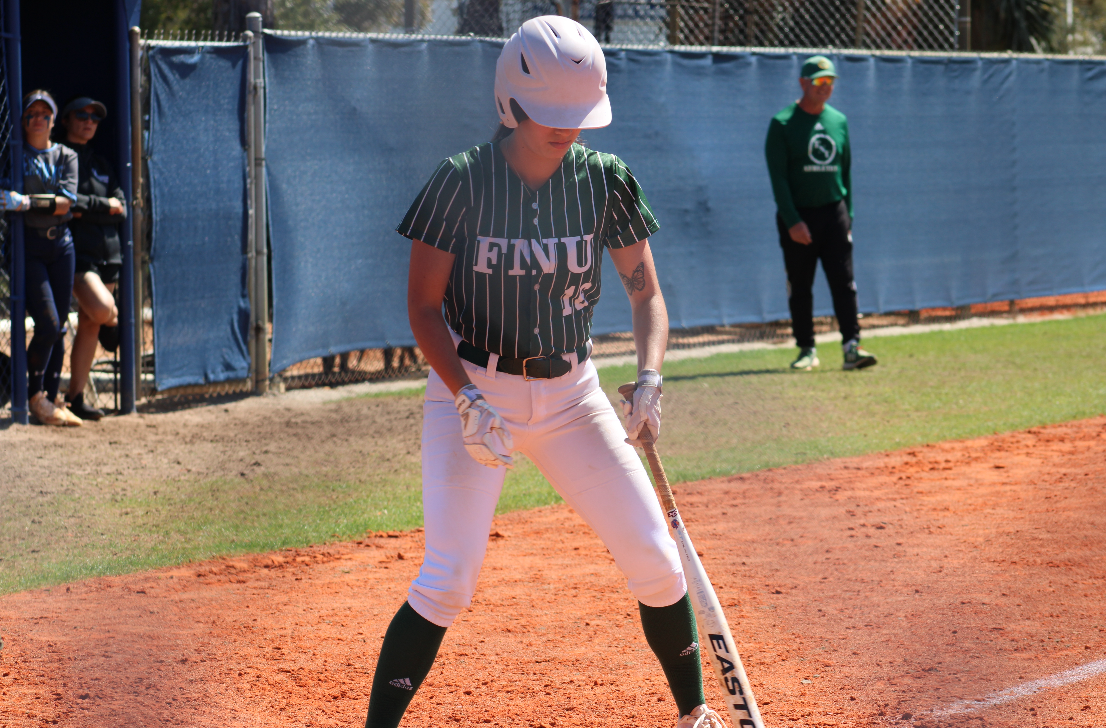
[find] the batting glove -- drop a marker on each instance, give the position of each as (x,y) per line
(486,437)
(645,407)
(11,201)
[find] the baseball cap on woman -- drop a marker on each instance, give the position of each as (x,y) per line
(817,67)
(42,96)
(82,101)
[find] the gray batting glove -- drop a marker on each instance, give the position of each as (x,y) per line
(645,407)
(486,437)
(13,201)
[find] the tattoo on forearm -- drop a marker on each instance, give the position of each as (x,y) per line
(636,281)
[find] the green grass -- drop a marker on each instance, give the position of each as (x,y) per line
(180,521)
(741,412)
(723,414)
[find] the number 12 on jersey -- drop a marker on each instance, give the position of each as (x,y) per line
(567,301)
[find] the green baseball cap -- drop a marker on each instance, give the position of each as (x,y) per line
(817,67)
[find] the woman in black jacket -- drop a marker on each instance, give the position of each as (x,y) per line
(100,207)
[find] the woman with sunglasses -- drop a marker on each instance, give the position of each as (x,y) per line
(50,181)
(809,162)
(100,207)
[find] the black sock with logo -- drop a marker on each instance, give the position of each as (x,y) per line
(410,646)
(670,632)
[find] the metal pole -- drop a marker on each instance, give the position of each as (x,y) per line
(251,229)
(714,24)
(138,211)
(673,22)
(13,59)
(858,38)
(409,16)
(125,164)
(260,215)
(964,25)
(1069,17)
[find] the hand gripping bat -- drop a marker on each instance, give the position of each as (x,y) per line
(728,669)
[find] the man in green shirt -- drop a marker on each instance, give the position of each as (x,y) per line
(808,161)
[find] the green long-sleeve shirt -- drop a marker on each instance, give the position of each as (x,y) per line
(808,160)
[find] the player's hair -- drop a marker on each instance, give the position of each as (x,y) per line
(504,131)
(39,92)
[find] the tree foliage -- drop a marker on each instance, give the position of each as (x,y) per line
(1022,25)
(1087,34)
(177,14)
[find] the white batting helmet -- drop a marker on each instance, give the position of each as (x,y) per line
(554,68)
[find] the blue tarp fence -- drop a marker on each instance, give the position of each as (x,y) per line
(197,164)
(975,179)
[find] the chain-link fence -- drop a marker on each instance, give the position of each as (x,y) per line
(929,25)
(344,368)
(884,24)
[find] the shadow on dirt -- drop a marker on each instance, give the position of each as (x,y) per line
(723,375)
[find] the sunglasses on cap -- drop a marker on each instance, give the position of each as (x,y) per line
(32,115)
(85,116)
(824,81)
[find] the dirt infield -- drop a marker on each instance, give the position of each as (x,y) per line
(959,584)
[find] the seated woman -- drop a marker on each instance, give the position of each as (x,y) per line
(100,207)
(50,179)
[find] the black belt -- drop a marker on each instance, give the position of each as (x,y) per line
(50,233)
(532,367)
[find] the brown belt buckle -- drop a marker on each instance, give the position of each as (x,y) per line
(527,377)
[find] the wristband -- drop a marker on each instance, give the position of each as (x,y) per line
(44,203)
(649,378)
(465,396)
(470,391)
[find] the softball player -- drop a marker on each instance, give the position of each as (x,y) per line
(509,235)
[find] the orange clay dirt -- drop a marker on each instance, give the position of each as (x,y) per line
(890,589)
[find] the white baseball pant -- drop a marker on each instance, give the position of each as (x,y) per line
(570,431)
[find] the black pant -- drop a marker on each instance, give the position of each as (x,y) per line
(830,227)
(49,276)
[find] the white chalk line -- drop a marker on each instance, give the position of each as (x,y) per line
(1074,675)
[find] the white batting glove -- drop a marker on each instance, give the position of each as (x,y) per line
(486,437)
(11,201)
(645,408)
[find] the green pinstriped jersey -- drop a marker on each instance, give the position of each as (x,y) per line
(809,160)
(527,272)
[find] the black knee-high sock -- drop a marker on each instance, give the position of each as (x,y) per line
(51,379)
(410,646)
(671,634)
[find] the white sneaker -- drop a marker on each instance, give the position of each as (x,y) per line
(701,717)
(44,410)
(68,419)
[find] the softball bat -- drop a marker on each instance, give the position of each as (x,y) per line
(728,670)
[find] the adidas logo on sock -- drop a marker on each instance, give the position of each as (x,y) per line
(402,682)
(690,649)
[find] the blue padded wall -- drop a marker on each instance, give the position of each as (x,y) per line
(198,179)
(975,179)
